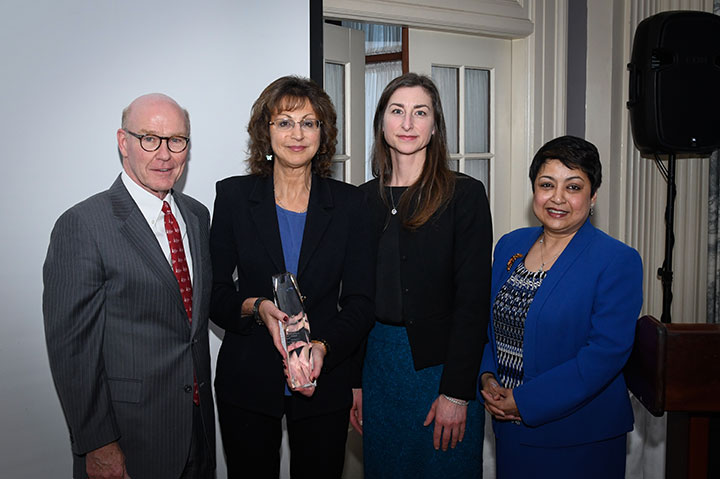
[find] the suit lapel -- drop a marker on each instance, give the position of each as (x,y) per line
(264,215)
(562,265)
(192,224)
(135,228)
(514,253)
(317,221)
(565,261)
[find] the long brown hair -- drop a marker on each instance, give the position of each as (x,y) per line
(290,93)
(435,186)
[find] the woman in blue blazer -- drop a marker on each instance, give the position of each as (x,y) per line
(565,299)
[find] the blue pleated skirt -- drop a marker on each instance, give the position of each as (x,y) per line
(396,400)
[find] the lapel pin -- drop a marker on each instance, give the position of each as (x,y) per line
(512,260)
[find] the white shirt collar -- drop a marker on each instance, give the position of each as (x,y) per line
(150,205)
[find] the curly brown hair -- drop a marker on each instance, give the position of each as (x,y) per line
(287,94)
(435,187)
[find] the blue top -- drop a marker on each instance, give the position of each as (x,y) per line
(292,227)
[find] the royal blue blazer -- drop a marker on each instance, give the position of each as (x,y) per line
(579,332)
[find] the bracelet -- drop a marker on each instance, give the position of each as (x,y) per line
(256,309)
(458,402)
(324,343)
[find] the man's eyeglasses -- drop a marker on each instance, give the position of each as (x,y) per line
(287,124)
(150,143)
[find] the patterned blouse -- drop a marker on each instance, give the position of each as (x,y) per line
(509,312)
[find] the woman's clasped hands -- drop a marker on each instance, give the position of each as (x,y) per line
(499,401)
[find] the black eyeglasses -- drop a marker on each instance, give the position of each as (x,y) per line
(150,143)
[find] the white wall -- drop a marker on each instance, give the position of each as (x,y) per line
(67,70)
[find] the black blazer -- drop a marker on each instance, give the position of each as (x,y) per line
(445,281)
(336,274)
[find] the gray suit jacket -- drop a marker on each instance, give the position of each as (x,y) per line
(122,351)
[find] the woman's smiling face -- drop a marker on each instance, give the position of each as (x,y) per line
(562,200)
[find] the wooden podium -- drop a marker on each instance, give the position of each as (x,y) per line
(675,368)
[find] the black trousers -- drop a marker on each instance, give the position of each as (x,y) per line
(252,443)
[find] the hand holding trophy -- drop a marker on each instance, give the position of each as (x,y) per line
(295,332)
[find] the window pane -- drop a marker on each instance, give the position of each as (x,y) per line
(477,111)
(335,88)
(337,170)
(478,169)
(377,76)
(446,79)
(379,38)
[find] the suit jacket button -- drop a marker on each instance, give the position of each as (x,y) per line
(188,388)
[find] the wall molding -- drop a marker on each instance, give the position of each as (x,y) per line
(498,18)
(539,66)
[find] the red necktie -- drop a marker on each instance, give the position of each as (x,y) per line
(180,268)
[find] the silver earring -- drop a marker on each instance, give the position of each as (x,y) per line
(268,157)
(592,210)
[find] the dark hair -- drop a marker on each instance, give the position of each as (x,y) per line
(435,186)
(290,93)
(573,152)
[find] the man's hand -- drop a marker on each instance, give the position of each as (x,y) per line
(107,462)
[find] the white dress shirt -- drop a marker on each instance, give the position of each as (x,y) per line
(151,208)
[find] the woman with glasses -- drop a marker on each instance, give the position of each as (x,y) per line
(417,409)
(287,215)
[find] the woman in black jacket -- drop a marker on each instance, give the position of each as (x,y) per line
(417,409)
(287,215)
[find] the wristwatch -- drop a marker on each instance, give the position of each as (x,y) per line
(256,309)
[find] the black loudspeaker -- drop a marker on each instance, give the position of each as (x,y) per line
(675,83)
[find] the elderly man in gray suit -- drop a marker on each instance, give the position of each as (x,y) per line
(127,287)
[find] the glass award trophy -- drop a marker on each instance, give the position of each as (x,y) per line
(295,333)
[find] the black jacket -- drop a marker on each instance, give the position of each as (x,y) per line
(445,283)
(336,274)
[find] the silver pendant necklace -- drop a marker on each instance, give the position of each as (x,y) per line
(542,256)
(393,211)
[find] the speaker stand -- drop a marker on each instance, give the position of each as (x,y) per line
(665,271)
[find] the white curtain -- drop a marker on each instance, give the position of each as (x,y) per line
(477,122)
(477,110)
(446,80)
(377,76)
(645,444)
(379,38)
(476,125)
